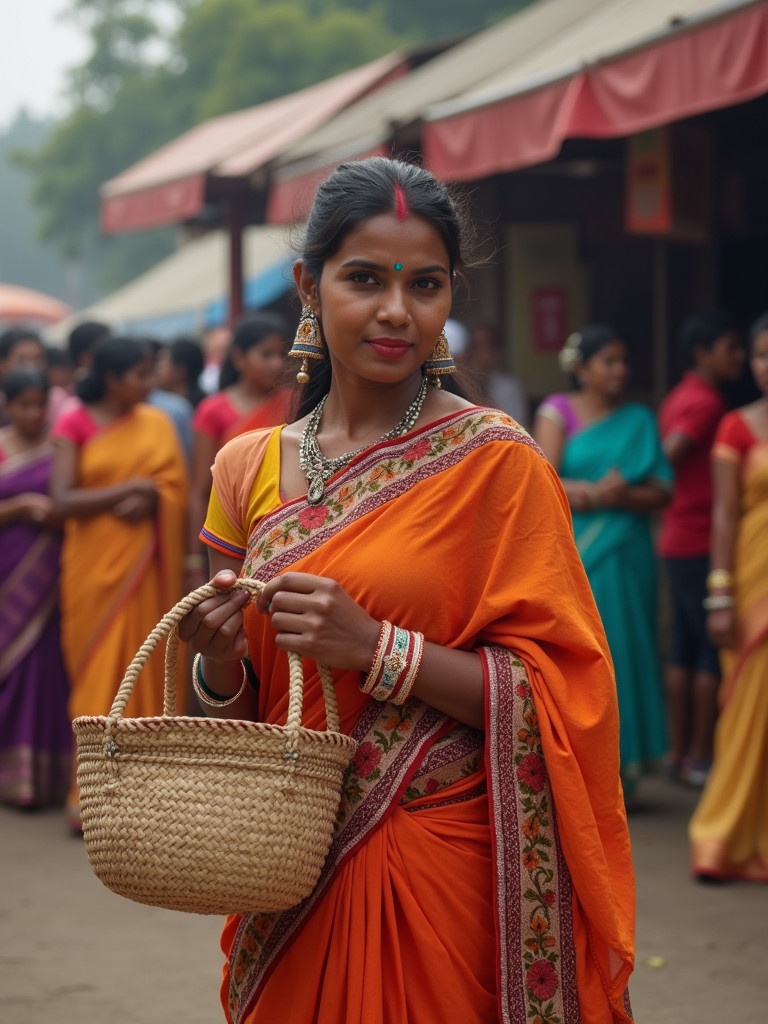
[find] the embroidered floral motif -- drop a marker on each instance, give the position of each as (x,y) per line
(368,477)
(540,954)
(366,764)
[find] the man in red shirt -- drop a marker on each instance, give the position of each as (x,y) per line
(688,419)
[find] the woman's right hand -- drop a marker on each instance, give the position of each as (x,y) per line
(214,628)
(721,627)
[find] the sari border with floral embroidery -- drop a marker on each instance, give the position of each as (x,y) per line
(534,915)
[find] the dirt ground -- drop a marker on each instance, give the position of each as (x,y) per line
(74,953)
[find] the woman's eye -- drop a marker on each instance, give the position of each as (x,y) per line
(362,277)
(427,283)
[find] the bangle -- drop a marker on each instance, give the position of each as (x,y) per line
(385,634)
(717,602)
(396,663)
(719,578)
(403,691)
(194,562)
(210,697)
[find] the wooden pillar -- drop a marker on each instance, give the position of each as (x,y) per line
(235,225)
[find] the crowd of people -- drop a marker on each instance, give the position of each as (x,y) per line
(486,597)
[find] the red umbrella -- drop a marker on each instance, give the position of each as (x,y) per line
(24,306)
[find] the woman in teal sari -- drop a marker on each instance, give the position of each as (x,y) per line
(608,455)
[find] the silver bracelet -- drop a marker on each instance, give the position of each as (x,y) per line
(717,602)
(209,697)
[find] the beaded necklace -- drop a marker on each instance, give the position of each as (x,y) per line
(318,469)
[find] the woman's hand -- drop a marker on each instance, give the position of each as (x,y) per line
(317,618)
(612,490)
(37,508)
(140,501)
(214,628)
(721,627)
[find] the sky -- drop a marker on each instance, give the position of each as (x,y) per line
(35,51)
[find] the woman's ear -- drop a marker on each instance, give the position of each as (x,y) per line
(305,285)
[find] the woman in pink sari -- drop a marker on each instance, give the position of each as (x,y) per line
(35,734)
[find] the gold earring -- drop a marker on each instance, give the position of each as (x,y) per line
(308,343)
(441,360)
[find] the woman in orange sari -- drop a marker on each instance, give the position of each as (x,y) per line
(119,480)
(729,830)
(421,547)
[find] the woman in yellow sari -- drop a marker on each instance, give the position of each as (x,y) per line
(420,546)
(119,481)
(729,830)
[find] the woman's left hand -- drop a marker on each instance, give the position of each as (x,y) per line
(317,618)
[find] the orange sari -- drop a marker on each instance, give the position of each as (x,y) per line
(119,578)
(476,877)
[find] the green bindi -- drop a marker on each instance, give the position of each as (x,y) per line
(397,266)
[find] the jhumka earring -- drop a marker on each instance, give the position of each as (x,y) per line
(308,343)
(441,360)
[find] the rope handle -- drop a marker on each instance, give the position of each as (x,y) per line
(167,628)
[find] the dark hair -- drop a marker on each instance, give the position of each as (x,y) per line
(251,330)
(760,326)
(354,192)
(111,357)
(23,378)
(14,336)
(83,339)
(595,337)
(586,343)
(188,354)
(701,331)
(57,358)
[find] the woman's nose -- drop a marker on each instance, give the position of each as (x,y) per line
(393,308)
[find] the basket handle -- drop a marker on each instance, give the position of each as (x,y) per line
(167,628)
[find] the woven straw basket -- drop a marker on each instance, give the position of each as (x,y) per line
(207,815)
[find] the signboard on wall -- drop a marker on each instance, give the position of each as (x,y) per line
(668,189)
(547,295)
(549,317)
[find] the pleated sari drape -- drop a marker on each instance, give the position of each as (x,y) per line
(474,876)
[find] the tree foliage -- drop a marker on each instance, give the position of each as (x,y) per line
(157,67)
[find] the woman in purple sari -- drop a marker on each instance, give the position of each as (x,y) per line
(35,731)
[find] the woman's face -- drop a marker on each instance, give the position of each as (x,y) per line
(758,361)
(384,297)
(27,352)
(27,412)
(263,364)
(606,373)
(133,386)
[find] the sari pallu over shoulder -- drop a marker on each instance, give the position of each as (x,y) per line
(133,569)
(461,530)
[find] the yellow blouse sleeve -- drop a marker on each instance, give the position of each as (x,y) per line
(246,486)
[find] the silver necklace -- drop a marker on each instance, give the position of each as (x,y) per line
(318,469)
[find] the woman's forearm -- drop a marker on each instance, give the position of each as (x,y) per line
(453,682)
(646,498)
(82,502)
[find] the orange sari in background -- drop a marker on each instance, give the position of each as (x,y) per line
(476,877)
(729,829)
(119,578)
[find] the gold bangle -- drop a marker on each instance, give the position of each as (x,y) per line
(719,578)
(210,697)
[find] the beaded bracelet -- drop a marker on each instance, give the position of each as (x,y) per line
(210,697)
